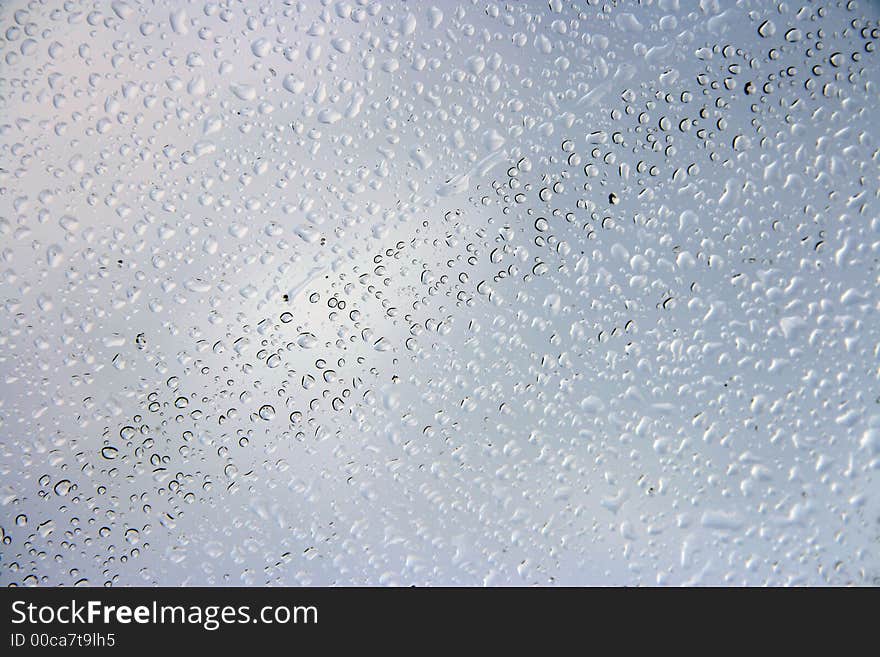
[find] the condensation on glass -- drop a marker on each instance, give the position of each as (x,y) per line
(482,293)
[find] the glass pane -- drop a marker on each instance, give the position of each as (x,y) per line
(476,293)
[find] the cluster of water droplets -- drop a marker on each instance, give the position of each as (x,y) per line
(361,292)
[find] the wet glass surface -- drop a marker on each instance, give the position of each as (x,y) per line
(458,293)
